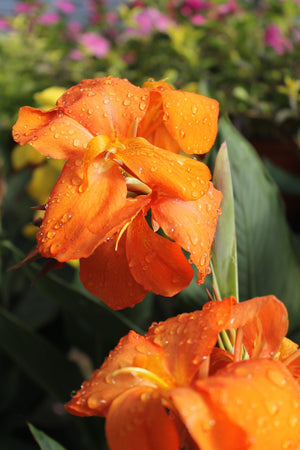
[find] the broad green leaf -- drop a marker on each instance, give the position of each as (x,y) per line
(45,442)
(223,254)
(267,258)
(37,357)
(287,182)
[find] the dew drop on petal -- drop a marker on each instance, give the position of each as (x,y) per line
(276,377)
(142,106)
(95,400)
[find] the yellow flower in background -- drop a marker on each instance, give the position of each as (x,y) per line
(47,98)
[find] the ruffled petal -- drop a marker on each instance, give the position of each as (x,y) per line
(208,426)
(261,397)
(107,106)
(155,262)
(261,336)
(95,396)
(65,232)
(106,275)
(138,421)
(52,133)
(188,339)
(172,174)
(191,224)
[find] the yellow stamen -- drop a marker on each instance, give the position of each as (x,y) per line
(95,147)
(142,373)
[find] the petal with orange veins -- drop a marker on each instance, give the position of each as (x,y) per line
(106,275)
(155,262)
(106,106)
(65,232)
(52,133)
(191,119)
(261,397)
(191,224)
(207,425)
(172,174)
(261,336)
(137,420)
(188,339)
(133,350)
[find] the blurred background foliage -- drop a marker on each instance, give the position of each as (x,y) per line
(243,53)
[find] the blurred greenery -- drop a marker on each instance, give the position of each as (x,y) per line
(52,332)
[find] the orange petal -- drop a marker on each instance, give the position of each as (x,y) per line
(261,397)
(52,133)
(95,396)
(172,174)
(287,347)
(155,262)
(191,224)
(262,336)
(191,119)
(208,425)
(138,421)
(106,275)
(106,106)
(188,339)
(65,232)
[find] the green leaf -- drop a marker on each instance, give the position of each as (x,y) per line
(45,442)
(37,357)
(267,258)
(224,254)
(287,182)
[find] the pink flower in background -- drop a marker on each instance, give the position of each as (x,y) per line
(274,39)
(76,55)
(65,6)
(24,7)
(198,19)
(49,18)
(227,8)
(74,27)
(150,18)
(96,44)
(111,17)
(4,25)
(196,5)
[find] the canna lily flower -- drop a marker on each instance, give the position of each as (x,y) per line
(122,146)
(172,388)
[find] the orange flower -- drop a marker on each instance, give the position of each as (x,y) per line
(121,143)
(173,389)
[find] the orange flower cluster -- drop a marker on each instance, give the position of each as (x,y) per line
(172,388)
(122,146)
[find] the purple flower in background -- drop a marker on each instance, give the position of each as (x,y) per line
(150,18)
(65,6)
(49,18)
(274,39)
(96,44)
(24,7)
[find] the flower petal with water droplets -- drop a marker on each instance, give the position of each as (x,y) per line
(155,262)
(106,275)
(191,224)
(106,106)
(52,133)
(174,175)
(65,232)
(137,420)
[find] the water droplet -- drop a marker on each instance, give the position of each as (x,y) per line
(276,377)
(76,142)
(95,400)
(293,421)
(55,248)
(271,407)
(106,101)
(51,234)
(76,181)
(66,217)
(56,135)
(142,106)
(194,109)
(182,133)
(126,102)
